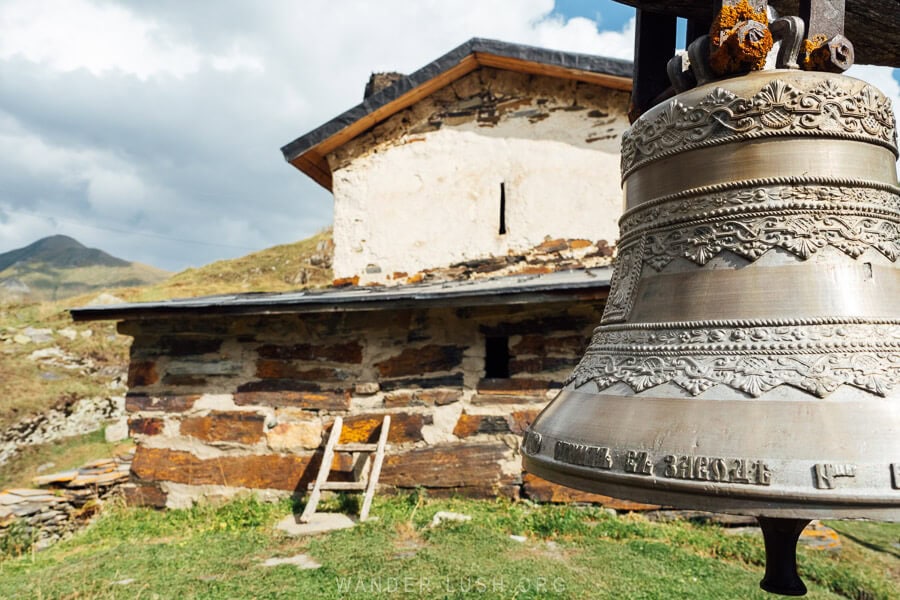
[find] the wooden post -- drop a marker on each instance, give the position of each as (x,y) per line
(324,469)
(376,468)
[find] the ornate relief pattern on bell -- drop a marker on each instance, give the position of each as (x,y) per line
(748,359)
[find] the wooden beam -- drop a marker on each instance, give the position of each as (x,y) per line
(314,164)
(654,45)
(465,66)
(532,68)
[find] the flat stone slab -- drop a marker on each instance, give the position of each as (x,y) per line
(318,523)
(821,538)
(99,479)
(11,500)
(26,492)
(6,499)
(61,477)
(301,561)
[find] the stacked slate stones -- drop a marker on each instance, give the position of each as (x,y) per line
(37,518)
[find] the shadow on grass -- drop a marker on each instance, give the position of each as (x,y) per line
(874,546)
(349,504)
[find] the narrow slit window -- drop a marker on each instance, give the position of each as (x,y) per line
(496,357)
(502,208)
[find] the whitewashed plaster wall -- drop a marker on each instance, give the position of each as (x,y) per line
(432,199)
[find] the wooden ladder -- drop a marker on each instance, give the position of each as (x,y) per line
(369,485)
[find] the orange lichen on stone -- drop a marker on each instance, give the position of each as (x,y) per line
(734,51)
(346,281)
(535,270)
(816,55)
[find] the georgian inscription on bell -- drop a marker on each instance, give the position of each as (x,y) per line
(827,472)
(717,470)
(582,454)
(638,462)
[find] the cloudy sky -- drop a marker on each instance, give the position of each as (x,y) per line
(152,129)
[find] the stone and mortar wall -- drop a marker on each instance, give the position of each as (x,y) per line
(422,189)
(220,404)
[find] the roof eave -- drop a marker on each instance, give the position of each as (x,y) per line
(307,153)
(579,284)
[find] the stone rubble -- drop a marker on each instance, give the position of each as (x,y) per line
(54,356)
(69,417)
(444,516)
(68,333)
(39,335)
(63,502)
(117,431)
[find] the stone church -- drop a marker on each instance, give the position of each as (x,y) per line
(475,213)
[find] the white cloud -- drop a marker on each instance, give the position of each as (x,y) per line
(581,35)
(166,117)
(107,178)
(77,34)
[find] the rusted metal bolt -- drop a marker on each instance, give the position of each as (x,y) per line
(841,50)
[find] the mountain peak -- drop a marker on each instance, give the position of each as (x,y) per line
(55,242)
(59,251)
(59,266)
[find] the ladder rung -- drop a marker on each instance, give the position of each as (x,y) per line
(356,448)
(332,446)
(341,485)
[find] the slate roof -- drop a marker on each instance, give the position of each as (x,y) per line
(307,152)
(589,284)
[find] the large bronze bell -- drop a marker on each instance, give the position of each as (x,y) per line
(748,359)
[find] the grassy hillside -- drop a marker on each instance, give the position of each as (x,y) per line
(287,267)
(28,386)
(59,267)
(45,282)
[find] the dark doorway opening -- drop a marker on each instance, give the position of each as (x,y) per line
(496,357)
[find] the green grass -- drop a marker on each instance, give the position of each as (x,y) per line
(570,552)
(67,453)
